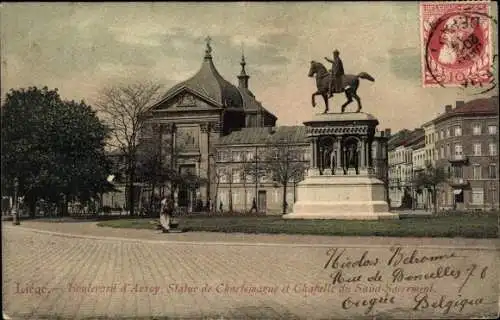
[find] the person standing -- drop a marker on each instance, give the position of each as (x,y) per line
(337,73)
(166,211)
(254,205)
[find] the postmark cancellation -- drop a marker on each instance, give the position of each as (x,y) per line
(456,44)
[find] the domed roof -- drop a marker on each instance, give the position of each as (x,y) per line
(209,83)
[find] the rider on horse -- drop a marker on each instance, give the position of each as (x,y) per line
(337,73)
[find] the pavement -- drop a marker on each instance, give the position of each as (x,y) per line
(77,270)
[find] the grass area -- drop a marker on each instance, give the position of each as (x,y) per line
(466,225)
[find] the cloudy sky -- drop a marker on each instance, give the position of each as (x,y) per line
(80,48)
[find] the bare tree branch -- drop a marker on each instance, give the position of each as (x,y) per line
(122,107)
(284,163)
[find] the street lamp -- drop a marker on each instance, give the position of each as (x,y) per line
(15,217)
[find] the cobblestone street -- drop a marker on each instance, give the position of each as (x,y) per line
(140,273)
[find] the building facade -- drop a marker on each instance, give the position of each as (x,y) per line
(464,142)
(430,142)
(422,200)
(468,150)
(216,129)
(401,167)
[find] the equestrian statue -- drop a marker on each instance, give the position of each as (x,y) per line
(335,81)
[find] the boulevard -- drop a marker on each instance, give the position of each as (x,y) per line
(78,270)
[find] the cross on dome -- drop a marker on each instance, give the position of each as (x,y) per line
(208,50)
(242,63)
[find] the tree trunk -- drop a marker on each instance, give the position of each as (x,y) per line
(130,201)
(64,209)
(434,198)
(245,191)
(216,201)
(231,195)
(31,204)
(151,199)
(130,187)
(387,197)
(284,198)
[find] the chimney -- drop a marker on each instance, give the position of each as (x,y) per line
(459,104)
(447,108)
(387,132)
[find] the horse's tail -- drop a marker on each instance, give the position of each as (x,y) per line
(366,76)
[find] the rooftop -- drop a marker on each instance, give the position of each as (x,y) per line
(396,139)
(271,135)
(476,107)
(208,82)
(415,138)
(250,104)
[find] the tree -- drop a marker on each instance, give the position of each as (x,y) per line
(158,164)
(283,162)
(255,168)
(152,170)
(217,177)
(124,109)
(430,179)
(191,182)
(55,148)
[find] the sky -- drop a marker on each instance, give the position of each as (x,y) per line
(82,48)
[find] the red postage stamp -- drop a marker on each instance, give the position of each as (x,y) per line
(456,44)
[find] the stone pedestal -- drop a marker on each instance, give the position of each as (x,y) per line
(350,197)
(351,191)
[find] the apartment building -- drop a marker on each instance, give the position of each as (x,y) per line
(420,196)
(401,149)
(464,142)
(467,147)
(430,142)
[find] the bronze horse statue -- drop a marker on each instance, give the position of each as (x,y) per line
(350,84)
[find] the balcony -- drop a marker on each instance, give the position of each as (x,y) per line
(418,168)
(458,182)
(457,158)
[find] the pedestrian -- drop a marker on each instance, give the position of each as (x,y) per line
(254,205)
(166,211)
(209,205)
(220,206)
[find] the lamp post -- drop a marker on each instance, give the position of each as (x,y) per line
(15,217)
(257,176)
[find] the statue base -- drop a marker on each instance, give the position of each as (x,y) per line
(346,197)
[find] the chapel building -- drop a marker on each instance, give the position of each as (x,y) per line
(215,129)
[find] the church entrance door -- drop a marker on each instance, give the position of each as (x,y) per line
(262,201)
(186,195)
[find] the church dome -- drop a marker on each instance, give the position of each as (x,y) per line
(209,83)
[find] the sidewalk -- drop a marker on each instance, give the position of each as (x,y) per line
(91,230)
